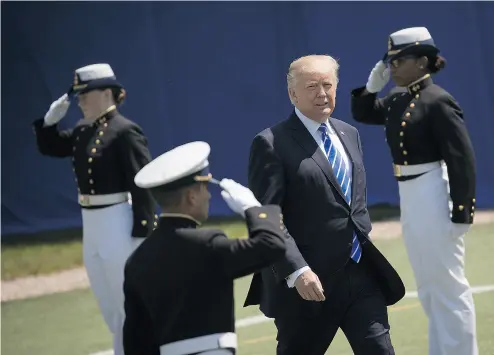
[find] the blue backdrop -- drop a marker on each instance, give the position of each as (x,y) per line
(216,72)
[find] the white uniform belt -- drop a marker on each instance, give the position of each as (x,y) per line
(99,200)
(199,344)
(407,170)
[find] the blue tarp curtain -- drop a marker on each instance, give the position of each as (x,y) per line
(216,72)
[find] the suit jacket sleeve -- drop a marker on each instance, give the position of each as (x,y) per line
(264,246)
(135,155)
(51,141)
(457,151)
(138,337)
(267,182)
(367,108)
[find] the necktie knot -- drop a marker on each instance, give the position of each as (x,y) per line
(323,129)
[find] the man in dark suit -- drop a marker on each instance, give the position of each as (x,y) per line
(332,275)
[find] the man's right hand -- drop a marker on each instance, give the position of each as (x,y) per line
(57,111)
(378,78)
(309,287)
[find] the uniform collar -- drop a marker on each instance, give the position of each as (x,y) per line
(109,113)
(179,220)
(419,84)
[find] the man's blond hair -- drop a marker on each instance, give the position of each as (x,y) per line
(302,64)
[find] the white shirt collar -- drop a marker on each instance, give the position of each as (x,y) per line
(311,125)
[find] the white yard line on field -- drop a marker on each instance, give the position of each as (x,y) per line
(249,321)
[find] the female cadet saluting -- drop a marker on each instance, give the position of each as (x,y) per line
(434,163)
(107,151)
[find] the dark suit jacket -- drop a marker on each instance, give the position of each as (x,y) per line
(287,167)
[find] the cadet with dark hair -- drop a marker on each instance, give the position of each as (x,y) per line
(434,163)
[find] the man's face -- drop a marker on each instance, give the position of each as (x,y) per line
(314,92)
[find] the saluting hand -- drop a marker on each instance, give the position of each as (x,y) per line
(57,111)
(237,197)
(378,78)
(309,287)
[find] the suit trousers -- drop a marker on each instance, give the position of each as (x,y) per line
(436,250)
(354,303)
(107,243)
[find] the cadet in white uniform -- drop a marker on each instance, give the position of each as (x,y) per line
(107,150)
(179,282)
(434,163)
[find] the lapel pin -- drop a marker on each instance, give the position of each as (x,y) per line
(342,133)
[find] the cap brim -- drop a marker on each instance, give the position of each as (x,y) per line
(419,50)
(183,165)
(94,85)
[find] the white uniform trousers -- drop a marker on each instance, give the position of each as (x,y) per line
(436,251)
(107,243)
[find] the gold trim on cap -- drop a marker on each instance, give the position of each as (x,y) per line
(77,87)
(393,52)
(199,178)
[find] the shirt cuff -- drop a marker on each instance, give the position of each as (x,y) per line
(290,280)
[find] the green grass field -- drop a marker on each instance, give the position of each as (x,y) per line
(69,323)
(43,253)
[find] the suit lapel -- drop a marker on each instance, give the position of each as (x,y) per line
(307,142)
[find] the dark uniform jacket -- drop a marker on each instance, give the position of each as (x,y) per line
(106,155)
(179,282)
(424,124)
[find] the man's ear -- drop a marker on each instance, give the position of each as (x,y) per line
(293,95)
(190,196)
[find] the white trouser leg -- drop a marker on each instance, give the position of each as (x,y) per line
(436,251)
(107,245)
(99,286)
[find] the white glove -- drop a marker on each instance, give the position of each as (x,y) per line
(237,197)
(378,78)
(58,109)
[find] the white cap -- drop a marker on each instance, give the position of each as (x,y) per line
(410,35)
(410,41)
(95,71)
(181,166)
(94,76)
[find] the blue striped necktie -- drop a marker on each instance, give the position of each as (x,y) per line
(344,179)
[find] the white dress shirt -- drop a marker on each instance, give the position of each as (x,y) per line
(313,126)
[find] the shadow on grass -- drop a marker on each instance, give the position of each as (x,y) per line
(380,212)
